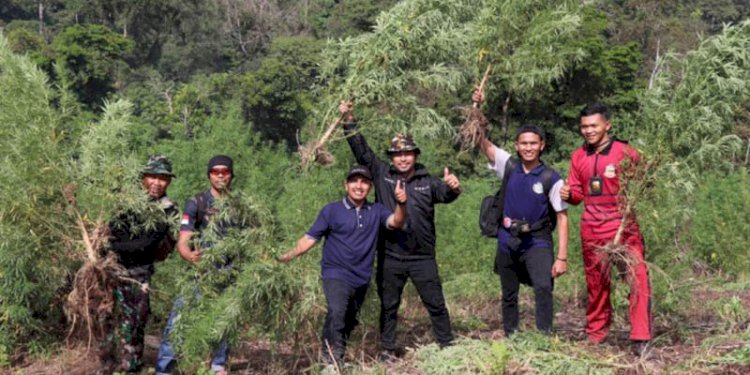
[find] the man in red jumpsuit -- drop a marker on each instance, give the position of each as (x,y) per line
(595,171)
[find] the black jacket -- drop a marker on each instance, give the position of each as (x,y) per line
(139,249)
(416,240)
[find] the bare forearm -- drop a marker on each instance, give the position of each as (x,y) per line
(304,244)
(562,235)
(488,148)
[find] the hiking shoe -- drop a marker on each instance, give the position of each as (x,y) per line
(445,345)
(387,356)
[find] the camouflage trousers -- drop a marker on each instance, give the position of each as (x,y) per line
(131,316)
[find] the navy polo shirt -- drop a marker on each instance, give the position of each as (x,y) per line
(525,200)
(351,236)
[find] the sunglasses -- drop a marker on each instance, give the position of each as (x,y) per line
(220,172)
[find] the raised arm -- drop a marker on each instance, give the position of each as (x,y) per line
(361,150)
(488,148)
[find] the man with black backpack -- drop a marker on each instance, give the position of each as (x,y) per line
(531,208)
(196,217)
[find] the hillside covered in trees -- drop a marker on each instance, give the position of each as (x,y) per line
(89,89)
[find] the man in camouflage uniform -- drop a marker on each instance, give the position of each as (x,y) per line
(137,248)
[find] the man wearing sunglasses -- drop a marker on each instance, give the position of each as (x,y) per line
(196,217)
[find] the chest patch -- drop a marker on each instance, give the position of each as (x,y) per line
(537,187)
(423,189)
(610,171)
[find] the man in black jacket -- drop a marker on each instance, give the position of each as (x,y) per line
(409,252)
(137,246)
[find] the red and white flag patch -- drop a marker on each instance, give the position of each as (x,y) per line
(185,220)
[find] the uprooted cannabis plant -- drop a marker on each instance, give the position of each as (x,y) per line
(239,288)
(421,50)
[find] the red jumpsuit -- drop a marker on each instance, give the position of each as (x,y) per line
(602,216)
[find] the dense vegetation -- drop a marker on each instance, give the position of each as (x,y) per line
(89,89)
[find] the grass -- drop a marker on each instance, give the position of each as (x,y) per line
(523,353)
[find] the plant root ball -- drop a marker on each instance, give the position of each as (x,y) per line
(311,152)
(619,256)
(473,129)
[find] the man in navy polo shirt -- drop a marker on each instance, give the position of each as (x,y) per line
(351,228)
(524,246)
(408,253)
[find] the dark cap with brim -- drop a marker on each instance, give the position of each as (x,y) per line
(359,170)
(402,143)
(158,165)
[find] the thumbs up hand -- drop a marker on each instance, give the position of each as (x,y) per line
(400,192)
(451,180)
(565,190)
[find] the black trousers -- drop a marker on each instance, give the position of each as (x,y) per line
(531,267)
(391,278)
(344,302)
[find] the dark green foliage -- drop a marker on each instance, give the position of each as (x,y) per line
(24,41)
(276,97)
(90,59)
(336,19)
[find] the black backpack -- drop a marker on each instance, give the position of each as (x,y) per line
(491,210)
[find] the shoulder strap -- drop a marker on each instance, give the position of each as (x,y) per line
(546,178)
(200,216)
(510,165)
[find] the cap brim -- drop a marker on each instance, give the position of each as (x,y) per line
(158,173)
(416,150)
(349,177)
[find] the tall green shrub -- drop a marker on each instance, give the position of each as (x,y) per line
(34,232)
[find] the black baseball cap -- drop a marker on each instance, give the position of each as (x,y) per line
(359,170)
